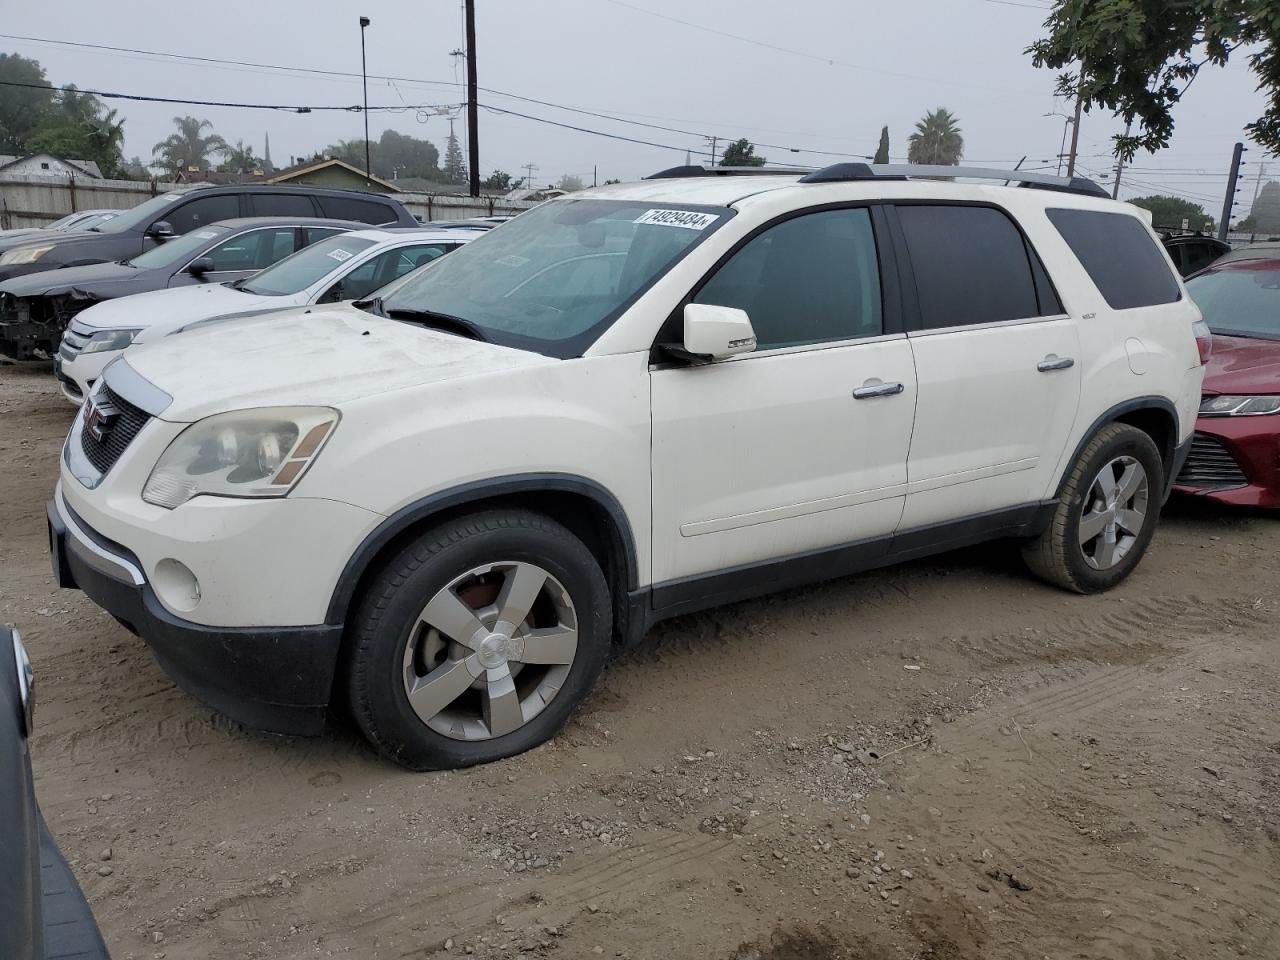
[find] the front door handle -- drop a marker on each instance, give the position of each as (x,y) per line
(878,390)
(1055,362)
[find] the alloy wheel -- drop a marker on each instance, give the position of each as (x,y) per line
(1114,512)
(490,650)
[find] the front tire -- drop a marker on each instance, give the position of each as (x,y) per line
(477,640)
(1106,514)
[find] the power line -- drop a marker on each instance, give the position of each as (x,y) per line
(290,108)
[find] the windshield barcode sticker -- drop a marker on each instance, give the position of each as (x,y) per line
(688,219)
(170,197)
(340,255)
(206,234)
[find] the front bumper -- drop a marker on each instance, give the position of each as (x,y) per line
(1235,460)
(277,679)
(77,374)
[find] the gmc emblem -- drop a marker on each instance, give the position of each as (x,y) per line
(99,415)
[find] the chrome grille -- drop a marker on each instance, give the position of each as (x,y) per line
(73,341)
(1210,465)
(128,420)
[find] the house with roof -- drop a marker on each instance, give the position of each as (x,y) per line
(47,165)
(331,172)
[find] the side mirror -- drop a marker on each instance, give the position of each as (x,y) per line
(160,230)
(334,294)
(717,333)
(200,266)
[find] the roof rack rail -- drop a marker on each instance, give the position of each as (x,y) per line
(856,170)
(901,171)
(695,170)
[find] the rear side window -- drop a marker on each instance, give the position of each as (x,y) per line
(203,210)
(311,234)
(354,208)
(972,266)
(1123,261)
(282,205)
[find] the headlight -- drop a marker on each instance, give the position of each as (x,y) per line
(109,340)
(1233,406)
(25,254)
(26,680)
(248,453)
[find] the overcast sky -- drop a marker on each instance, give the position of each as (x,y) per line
(818,75)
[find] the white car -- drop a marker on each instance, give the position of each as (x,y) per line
(446,510)
(346,267)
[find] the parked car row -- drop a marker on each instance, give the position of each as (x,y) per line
(154,223)
(348,265)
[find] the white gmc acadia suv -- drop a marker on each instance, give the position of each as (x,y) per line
(445,508)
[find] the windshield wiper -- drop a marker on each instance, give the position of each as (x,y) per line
(430,318)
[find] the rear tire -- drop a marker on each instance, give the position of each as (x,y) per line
(438,679)
(1106,514)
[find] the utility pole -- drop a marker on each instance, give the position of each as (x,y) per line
(364,76)
(1257,186)
(528,180)
(1115,188)
(714,143)
(1075,136)
(595,172)
(473,135)
(1228,202)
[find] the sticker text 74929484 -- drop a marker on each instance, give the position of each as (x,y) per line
(689,219)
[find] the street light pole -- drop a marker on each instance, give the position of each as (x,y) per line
(364,76)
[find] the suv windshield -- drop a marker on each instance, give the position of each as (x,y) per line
(1243,301)
(177,251)
(553,278)
(139,216)
(296,273)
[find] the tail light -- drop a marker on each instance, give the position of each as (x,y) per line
(1204,340)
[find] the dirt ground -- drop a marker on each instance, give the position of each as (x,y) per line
(943,760)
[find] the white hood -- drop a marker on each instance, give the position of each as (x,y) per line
(160,312)
(324,355)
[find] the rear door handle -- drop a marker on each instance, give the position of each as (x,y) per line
(1054,362)
(878,390)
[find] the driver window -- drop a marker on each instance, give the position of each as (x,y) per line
(810,279)
(252,251)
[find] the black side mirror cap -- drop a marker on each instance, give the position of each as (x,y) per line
(160,230)
(200,266)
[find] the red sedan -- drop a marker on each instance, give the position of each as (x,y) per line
(1235,456)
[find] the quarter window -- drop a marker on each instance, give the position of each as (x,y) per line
(811,279)
(282,205)
(971,266)
(353,208)
(1121,257)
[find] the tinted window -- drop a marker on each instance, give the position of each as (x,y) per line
(810,279)
(1121,257)
(202,211)
(1242,302)
(1197,256)
(254,250)
(282,205)
(971,266)
(296,273)
(311,234)
(142,215)
(353,208)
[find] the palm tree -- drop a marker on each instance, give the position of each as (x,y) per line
(189,147)
(937,140)
(106,135)
(239,159)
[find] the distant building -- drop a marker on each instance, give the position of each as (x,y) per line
(331,173)
(47,165)
(423,185)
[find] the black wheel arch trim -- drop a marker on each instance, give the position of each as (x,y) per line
(1111,415)
(480,490)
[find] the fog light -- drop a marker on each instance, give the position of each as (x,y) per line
(176,585)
